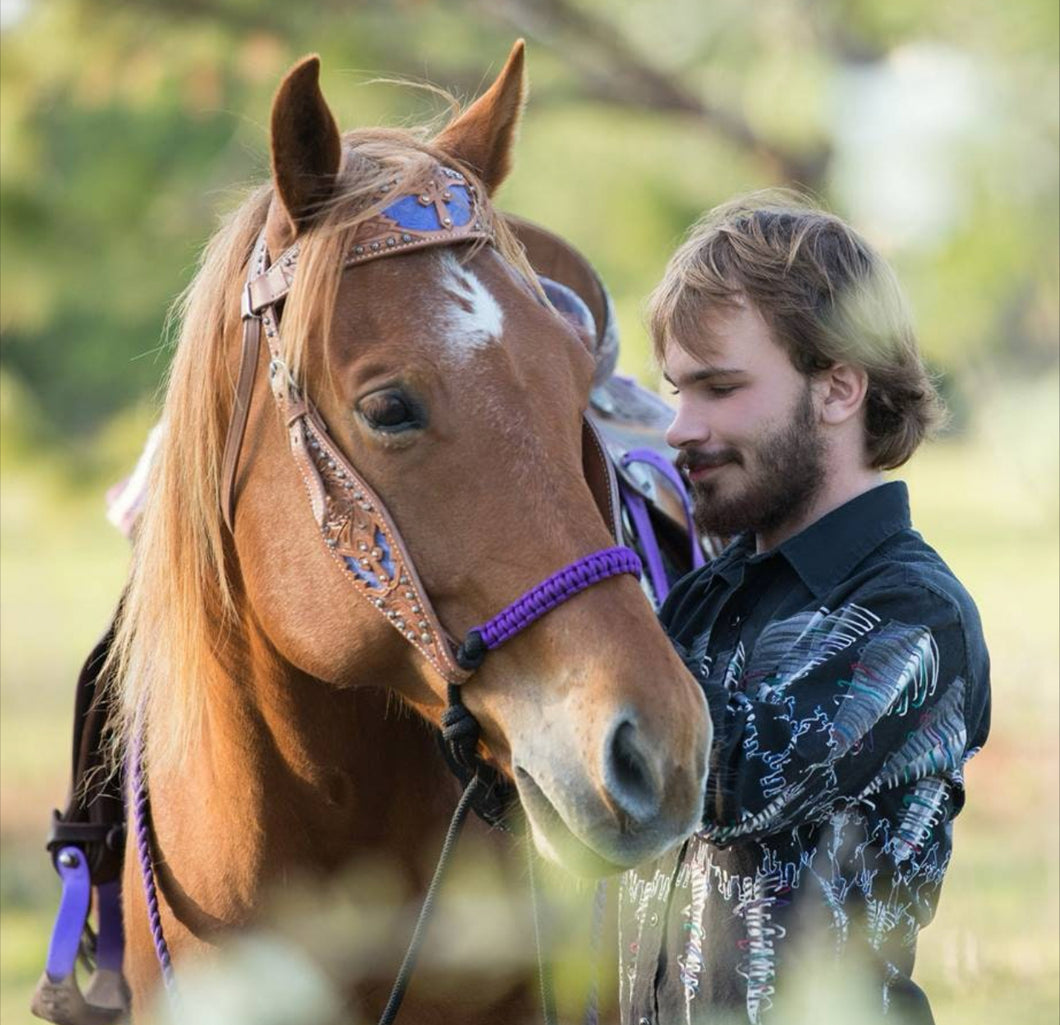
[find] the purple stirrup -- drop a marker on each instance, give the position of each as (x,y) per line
(73,910)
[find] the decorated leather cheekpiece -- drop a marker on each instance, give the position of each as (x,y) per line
(355,526)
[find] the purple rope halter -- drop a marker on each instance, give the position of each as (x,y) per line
(141,826)
(555,590)
(460,730)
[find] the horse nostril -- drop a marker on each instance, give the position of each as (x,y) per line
(629,775)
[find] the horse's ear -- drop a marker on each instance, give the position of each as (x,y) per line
(481,137)
(306,147)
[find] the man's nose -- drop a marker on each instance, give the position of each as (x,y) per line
(687,429)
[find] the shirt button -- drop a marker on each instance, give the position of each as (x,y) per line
(645,1020)
(653,919)
(736,620)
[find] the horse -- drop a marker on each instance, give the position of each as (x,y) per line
(281,720)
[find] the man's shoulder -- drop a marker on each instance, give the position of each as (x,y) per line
(906,562)
(914,583)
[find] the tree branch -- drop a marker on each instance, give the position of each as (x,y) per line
(626,78)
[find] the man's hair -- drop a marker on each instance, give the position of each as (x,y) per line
(826,296)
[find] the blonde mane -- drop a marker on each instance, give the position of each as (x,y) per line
(179,632)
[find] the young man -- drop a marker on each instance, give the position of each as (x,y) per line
(843,662)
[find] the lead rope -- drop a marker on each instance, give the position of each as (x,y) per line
(401,983)
(549,1013)
(544,965)
(141,811)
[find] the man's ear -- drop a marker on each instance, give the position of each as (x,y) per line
(306,147)
(481,138)
(841,392)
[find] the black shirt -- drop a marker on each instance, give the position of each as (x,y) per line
(848,682)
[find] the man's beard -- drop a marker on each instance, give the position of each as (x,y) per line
(788,474)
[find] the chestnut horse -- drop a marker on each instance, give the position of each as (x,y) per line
(259,682)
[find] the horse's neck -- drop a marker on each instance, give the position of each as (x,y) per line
(294,778)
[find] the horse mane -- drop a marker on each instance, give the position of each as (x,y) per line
(179,631)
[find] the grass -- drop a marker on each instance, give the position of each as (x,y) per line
(988,503)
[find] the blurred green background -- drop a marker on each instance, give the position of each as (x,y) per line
(126,128)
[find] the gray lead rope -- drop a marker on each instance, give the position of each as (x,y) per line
(541,939)
(544,965)
(401,983)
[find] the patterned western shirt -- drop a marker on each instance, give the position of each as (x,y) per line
(848,682)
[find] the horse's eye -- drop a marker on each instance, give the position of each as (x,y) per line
(389,411)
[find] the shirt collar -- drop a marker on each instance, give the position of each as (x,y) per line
(829,548)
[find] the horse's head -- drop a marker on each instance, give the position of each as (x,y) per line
(457,392)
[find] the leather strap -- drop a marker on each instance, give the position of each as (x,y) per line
(237,426)
(356,528)
(600,476)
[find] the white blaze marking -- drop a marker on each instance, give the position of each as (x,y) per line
(468,318)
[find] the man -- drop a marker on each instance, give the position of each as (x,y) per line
(843,662)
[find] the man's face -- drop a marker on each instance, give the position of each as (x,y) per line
(746,426)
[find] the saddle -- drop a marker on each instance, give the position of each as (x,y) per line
(631,463)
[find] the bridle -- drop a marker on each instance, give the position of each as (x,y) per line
(359,533)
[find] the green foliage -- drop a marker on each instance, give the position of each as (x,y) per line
(127,129)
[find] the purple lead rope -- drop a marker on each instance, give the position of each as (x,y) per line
(141,826)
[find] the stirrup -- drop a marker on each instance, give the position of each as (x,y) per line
(58,997)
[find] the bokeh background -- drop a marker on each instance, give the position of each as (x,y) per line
(126,128)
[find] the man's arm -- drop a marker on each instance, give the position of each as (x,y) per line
(876,695)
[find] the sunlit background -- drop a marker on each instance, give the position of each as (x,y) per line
(127,128)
